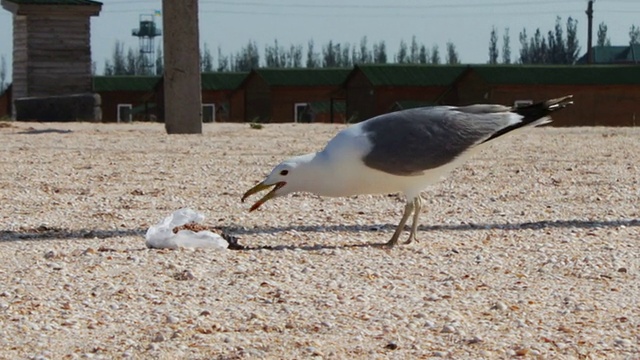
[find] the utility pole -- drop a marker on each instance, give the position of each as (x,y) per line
(590,30)
(182,90)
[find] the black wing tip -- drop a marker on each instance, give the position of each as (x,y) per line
(533,112)
(559,103)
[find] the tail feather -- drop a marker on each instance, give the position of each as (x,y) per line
(535,114)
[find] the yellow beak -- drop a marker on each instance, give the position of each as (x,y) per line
(262,186)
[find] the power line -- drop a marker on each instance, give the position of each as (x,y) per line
(475,4)
(385,15)
(369,6)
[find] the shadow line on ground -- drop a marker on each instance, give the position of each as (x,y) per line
(234,233)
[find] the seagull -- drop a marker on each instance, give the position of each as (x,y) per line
(401,152)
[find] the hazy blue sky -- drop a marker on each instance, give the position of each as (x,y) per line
(231,23)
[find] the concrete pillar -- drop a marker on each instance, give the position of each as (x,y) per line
(182,90)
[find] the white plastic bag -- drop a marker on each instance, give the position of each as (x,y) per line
(161,236)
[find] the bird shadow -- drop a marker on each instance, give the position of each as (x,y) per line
(233,233)
(536,225)
(32,131)
(55,233)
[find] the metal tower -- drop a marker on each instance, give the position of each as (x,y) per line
(147,34)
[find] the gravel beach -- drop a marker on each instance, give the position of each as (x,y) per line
(530,250)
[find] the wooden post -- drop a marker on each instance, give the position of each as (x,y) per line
(590,32)
(182,91)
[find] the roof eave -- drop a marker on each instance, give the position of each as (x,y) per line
(51,9)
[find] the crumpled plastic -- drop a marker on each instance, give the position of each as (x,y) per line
(161,236)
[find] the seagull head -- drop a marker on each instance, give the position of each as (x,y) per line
(287,177)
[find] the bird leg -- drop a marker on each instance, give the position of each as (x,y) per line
(416,214)
(408,209)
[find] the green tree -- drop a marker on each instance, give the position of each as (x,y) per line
(493,46)
(223,61)
(602,39)
(132,63)
(159,61)
(312,57)
(557,51)
(414,51)
(525,56)
(345,56)
(206,60)
(247,58)
(329,56)
(571,48)
(380,53)
(363,55)
(555,48)
(274,55)
(3,73)
(117,65)
(423,57)
(452,54)
(435,55)
(402,57)
(506,47)
(634,35)
(538,48)
(295,56)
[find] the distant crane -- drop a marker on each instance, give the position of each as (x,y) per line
(147,32)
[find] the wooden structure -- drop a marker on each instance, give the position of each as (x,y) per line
(332,111)
(222,100)
(51,46)
(221,93)
(605,95)
(125,98)
(375,89)
(281,95)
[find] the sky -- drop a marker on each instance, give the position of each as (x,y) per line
(230,24)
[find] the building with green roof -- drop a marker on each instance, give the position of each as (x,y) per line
(221,99)
(281,95)
(614,55)
(124,98)
(332,111)
(607,95)
(373,89)
(127,98)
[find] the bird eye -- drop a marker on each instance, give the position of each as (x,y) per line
(284,172)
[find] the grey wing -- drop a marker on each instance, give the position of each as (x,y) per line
(409,142)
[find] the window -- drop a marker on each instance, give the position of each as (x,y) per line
(124,113)
(208,113)
(298,111)
(521,103)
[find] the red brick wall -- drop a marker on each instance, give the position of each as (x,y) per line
(111,99)
(284,99)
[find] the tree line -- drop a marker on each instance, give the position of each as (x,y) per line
(330,55)
(555,46)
